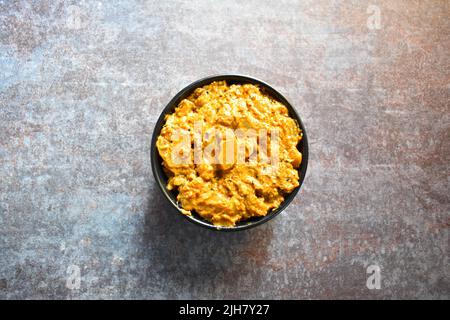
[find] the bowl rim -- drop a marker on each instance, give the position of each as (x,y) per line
(236,78)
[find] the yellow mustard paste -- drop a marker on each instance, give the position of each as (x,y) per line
(227,192)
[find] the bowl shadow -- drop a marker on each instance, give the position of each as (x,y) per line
(183,254)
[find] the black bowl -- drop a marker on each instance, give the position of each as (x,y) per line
(161,177)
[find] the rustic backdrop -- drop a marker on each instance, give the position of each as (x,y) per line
(82,84)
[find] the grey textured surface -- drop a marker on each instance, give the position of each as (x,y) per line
(82,84)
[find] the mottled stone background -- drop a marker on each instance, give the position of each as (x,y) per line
(82,84)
